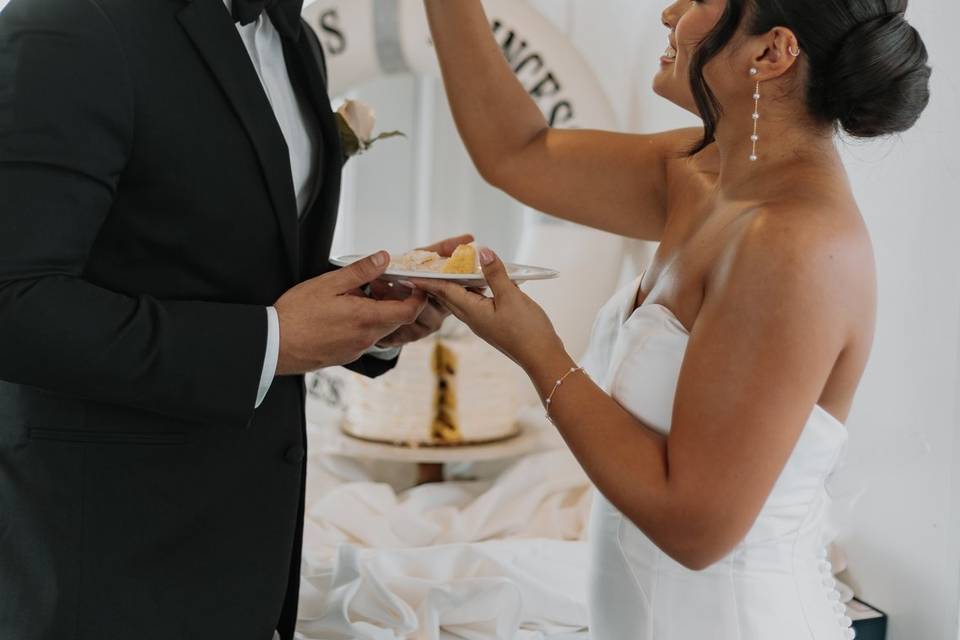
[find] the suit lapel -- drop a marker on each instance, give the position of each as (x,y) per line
(308,56)
(319,221)
(213,33)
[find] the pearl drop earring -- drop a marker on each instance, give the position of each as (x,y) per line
(754,138)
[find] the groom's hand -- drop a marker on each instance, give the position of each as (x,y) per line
(431,318)
(427,323)
(327,321)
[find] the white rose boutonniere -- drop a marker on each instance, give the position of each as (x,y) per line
(356,121)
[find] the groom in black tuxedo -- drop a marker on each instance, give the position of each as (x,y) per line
(164,282)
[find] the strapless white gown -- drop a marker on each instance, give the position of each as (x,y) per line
(776,585)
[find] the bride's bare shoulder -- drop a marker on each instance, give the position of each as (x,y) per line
(817,248)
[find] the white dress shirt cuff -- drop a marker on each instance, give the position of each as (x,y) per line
(383,353)
(271,356)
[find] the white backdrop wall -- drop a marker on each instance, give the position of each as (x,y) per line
(898,494)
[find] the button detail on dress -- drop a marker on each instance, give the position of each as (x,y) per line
(294,454)
(833,594)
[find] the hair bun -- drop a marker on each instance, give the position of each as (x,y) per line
(878,81)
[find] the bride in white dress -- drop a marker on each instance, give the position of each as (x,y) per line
(710,408)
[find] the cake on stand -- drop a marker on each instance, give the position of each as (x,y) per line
(329,438)
(451,399)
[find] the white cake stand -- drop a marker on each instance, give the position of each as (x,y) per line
(327,437)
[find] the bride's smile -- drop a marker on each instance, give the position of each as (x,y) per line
(688,22)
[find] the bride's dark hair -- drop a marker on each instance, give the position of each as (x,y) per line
(868,71)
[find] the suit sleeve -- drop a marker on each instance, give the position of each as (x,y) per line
(66,132)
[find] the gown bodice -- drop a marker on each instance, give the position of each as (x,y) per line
(777,583)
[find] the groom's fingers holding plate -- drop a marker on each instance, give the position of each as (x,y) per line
(405,335)
(360,273)
(383,290)
(396,313)
(433,315)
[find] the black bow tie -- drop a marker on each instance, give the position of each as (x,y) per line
(285,14)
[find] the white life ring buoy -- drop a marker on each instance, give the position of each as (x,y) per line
(366,39)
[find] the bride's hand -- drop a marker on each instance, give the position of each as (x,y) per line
(510,321)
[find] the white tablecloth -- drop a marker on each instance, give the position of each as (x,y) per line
(491,559)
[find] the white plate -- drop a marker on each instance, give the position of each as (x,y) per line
(517,272)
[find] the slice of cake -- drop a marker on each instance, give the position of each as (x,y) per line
(463,260)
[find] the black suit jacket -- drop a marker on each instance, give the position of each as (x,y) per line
(147,217)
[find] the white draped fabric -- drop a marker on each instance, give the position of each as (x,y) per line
(483,560)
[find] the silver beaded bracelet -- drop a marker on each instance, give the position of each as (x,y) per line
(563,379)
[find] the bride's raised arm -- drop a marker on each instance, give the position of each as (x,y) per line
(610,181)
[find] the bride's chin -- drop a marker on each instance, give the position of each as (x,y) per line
(661,83)
(667,86)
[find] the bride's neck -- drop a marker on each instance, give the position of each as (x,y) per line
(785,149)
